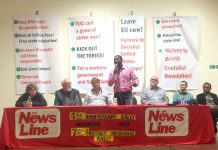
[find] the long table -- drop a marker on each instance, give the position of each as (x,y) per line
(45,127)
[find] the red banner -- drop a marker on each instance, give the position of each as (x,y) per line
(106,126)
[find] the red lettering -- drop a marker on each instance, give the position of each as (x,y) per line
(32,130)
(171,117)
(161,128)
(153,115)
(52,118)
(36,118)
(24,117)
(180,117)
(157,116)
(22,132)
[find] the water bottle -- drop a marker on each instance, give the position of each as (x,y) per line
(29,99)
(129,101)
(115,101)
(182,101)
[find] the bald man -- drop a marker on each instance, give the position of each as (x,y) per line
(154,94)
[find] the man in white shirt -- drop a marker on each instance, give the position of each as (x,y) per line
(97,96)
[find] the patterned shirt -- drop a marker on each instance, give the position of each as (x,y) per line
(121,79)
(209,100)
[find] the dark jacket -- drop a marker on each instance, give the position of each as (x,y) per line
(37,100)
(70,98)
(202,99)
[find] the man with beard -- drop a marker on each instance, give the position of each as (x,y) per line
(67,96)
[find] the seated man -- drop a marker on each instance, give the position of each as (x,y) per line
(182,96)
(154,94)
(97,96)
(210,99)
(67,96)
(31,97)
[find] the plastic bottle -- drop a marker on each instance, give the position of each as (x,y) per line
(115,101)
(182,101)
(29,99)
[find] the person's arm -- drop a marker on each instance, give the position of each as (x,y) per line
(19,102)
(78,98)
(56,101)
(198,99)
(191,96)
(175,99)
(165,98)
(215,99)
(143,97)
(39,100)
(134,79)
(111,79)
(86,100)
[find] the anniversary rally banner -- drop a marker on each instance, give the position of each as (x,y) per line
(131,45)
(37,52)
(177,50)
(106,126)
(92,50)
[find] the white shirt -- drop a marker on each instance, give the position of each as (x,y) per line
(101,99)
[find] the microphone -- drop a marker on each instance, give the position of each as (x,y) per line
(116,65)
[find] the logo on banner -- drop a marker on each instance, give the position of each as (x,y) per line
(37,123)
(166,121)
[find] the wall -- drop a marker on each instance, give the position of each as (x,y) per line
(206,10)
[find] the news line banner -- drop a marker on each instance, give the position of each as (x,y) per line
(177,50)
(92,50)
(106,126)
(37,52)
(131,45)
(102,126)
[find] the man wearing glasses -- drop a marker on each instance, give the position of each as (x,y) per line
(67,96)
(154,94)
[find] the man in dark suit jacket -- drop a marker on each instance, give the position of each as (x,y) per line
(67,96)
(210,99)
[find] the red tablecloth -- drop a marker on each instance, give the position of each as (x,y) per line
(106,126)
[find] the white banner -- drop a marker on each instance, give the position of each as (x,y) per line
(92,50)
(131,45)
(177,50)
(37,52)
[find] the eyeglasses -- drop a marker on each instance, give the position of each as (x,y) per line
(67,82)
(154,79)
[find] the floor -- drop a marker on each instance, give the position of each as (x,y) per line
(174,147)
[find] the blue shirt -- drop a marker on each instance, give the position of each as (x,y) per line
(182,98)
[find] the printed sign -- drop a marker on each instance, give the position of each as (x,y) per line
(166,121)
(37,123)
(37,53)
(131,45)
(177,51)
(92,50)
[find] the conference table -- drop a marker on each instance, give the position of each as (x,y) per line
(82,126)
